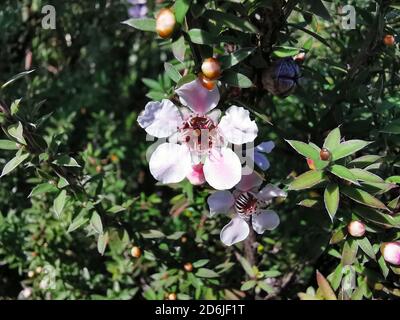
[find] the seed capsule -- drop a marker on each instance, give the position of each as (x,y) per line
(211,68)
(136,252)
(324,154)
(281,77)
(389,40)
(165,23)
(356,229)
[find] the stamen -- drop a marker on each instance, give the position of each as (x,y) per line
(246,205)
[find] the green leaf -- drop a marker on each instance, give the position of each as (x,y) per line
(16,77)
(15,107)
(17,132)
(384,268)
(347,148)
(331,199)
(362,197)
(317,7)
(199,36)
(236,79)
(393,127)
(376,217)
(65,161)
(283,51)
(304,149)
(59,203)
(206,273)
(185,79)
(364,161)
(95,222)
(42,188)
(349,252)
(393,179)
(179,49)
(172,72)
(246,265)
(343,173)
(14,163)
(336,277)
(307,180)
(332,140)
(324,286)
(235,57)
(248,285)
(231,21)
(366,246)
(200,263)
(310,203)
(176,235)
(181,7)
(115,209)
(144,24)
(102,241)
(77,223)
(8,145)
(265,287)
(337,236)
(152,234)
(364,175)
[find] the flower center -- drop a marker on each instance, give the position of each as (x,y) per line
(199,133)
(246,204)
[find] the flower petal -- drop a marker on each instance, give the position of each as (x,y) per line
(266,146)
(235,231)
(160,119)
(261,160)
(237,127)
(198,98)
(269,192)
(196,175)
(250,182)
(214,115)
(222,169)
(265,220)
(170,163)
(220,202)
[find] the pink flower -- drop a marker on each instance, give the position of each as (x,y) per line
(196,136)
(248,204)
(391,252)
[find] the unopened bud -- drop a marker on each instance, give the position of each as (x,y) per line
(211,68)
(324,154)
(206,83)
(391,252)
(389,40)
(188,267)
(165,23)
(356,228)
(172,296)
(136,252)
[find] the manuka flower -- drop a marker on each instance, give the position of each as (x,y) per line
(248,204)
(197,137)
(138,9)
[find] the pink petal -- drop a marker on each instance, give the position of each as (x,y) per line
(198,98)
(235,231)
(265,220)
(237,127)
(250,182)
(269,192)
(196,175)
(170,163)
(222,169)
(220,202)
(160,119)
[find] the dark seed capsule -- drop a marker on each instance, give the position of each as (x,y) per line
(281,77)
(324,154)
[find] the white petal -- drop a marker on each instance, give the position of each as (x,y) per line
(160,119)
(265,220)
(237,127)
(170,163)
(249,182)
(198,98)
(266,146)
(261,161)
(222,169)
(269,192)
(220,202)
(235,231)
(214,115)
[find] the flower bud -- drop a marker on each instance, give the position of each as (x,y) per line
(300,57)
(356,228)
(196,176)
(324,154)
(136,252)
(211,68)
(172,296)
(281,77)
(165,23)
(391,252)
(206,83)
(188,267)
(389,40)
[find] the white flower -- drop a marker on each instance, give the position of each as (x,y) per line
(195,136)
(248,204)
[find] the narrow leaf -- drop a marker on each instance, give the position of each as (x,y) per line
(363,197)
(144,24)
(59,203)
(332,140)
(343,173)
(331,199)
(307,180)
(347,148)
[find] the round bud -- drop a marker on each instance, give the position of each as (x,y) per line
(356,228)
(211,68)
(31,274)
(184,239)
(172,296)
(188,267)
(196,175)
(39,270)
(206,83)
(311,164)
(281,77)
(324,154)
(300,57)
(136,252)
(389,40)
(165,23)
(391,252)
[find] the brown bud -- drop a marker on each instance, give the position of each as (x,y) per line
(324,154)
(136,252)
(165,23)
(188,267)
(211,68)
(389,40)
(172,296)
